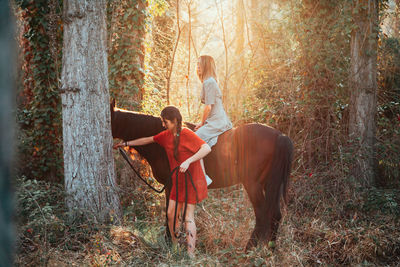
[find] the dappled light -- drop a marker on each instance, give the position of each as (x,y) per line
(298,106)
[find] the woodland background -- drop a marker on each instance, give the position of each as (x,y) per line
(282,63)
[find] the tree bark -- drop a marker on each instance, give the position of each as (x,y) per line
(364,87)
(126,51)
(396,27)
(88,162)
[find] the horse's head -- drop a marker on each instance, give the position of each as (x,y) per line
(128,125)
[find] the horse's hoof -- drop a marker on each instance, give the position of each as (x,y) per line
(250,244)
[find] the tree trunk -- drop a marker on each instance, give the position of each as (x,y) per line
(364,86)
(88,162)
(171,66)
(240,31)
(396,26)
(189,55)
(138,40)
(126,38)
(7,59)
(259,15)
(220,12)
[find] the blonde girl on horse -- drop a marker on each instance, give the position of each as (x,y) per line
(214,119)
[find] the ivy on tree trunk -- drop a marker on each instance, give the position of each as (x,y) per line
(364,44)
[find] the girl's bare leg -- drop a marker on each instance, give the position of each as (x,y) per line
(202,166)
(190,228)
(208,179)
(170,214)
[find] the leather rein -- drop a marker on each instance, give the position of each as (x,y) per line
(176,170)
(126,157)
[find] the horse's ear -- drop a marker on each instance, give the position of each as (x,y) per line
(112,107)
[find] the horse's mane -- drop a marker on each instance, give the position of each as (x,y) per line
(145,118)
(190,125)
(150,124)
(146,125)
(139,116)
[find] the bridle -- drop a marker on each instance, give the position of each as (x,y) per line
(175,170)
(126,157)
(187,173)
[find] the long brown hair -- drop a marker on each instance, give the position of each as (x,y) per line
(171,113)
(208,68)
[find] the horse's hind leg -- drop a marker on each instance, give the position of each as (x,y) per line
(273,213)
(275,221)
(256,196)
(268,215)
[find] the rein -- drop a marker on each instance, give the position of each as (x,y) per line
(125,156)
(187,173)
(176,170)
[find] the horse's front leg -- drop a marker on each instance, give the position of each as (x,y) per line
(256,196)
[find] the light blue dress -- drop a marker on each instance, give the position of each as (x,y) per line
(217,121)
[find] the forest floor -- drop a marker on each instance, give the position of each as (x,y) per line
(328,221)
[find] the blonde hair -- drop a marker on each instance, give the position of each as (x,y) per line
(208,68)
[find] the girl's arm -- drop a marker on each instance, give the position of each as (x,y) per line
(201,153)
(137,142)
(206,112)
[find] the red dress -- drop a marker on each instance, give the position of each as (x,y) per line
(189,144)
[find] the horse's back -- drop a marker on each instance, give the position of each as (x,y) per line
(254,140)
(256,130)
(241,153)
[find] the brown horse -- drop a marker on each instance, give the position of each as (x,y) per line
(255,155)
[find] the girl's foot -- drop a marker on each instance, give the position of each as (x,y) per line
(190,252)
(191,255)
(175,248)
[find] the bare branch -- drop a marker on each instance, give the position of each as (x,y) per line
(221,17)
(174,52)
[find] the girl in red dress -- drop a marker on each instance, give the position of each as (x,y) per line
(184,149)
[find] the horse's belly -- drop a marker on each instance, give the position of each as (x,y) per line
(221,163)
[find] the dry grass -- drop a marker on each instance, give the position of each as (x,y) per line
(328,221)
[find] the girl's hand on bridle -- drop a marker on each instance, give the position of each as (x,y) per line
(119,145)
(197,126)
(184,166)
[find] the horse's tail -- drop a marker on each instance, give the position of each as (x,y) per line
(278,178)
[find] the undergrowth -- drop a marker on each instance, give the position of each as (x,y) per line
(329,220)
